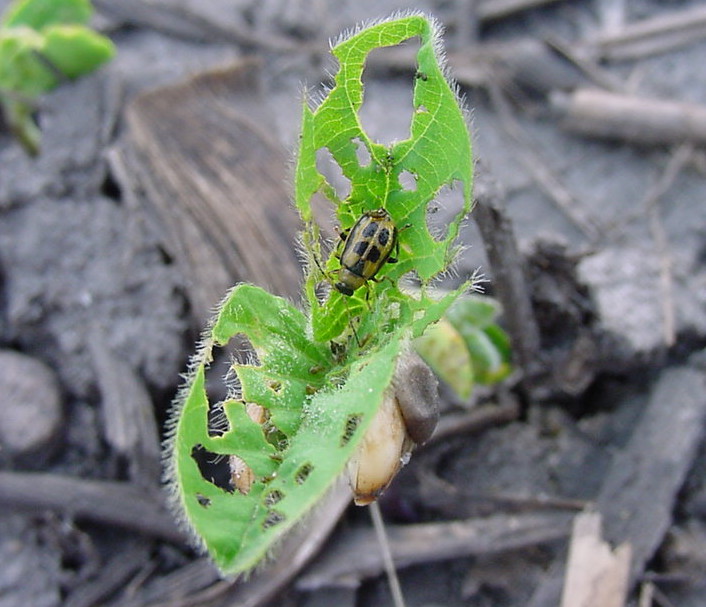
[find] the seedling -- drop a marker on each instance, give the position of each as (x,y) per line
(42,43)
(307,409)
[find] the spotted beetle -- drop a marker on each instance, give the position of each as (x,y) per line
(367,248)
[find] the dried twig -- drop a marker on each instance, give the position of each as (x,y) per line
(651,36)
(113,575)
(510,283)
(651,203)
(106,502)
(176,20)
(354,555)
(598,75)
(605,115)
(476,420)
(179,587)
(497,9)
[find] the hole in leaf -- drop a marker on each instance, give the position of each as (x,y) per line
(203,500)
(326,165)
(422,109)
(221,380)
(352,423)
(218,423)
(273,497)
(447,204)
(274,517)
(387,107)
(213,467)
(303,473)
(408,181)
(324,215)
(362,152)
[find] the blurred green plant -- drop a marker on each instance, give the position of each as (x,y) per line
(467,346)
(42,43)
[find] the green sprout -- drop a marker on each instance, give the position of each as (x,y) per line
(42,43)
(299,411)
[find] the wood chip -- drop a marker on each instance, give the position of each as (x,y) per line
(128,417)
(596,575)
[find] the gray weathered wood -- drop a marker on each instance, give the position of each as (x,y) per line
(639,492)
(214,173)
(107,502)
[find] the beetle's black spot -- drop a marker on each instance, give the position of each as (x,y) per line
(273,518)
(361,247)
(303,473)
(358,268)
(352,423)
(203,500)
(272,497)
(370,230)
(383,236)
(373,254)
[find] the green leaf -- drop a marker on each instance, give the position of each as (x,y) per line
(476,311)
(437,154)
(467,346)
(18,116)
(443,348)
(42,42)
(310,404)
(21,70)
(76,50)
(38,14)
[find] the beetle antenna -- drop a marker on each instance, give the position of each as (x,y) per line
(352,327)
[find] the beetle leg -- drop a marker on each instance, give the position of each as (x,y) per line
(342,234)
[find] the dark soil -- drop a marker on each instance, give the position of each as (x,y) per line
(105,286)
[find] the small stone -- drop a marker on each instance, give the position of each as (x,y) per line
(31,415)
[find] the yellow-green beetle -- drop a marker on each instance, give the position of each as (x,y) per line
(367,248)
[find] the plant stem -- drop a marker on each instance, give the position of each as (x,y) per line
(392,578)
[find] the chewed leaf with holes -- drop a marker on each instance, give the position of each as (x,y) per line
(244,471)
(435,156)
